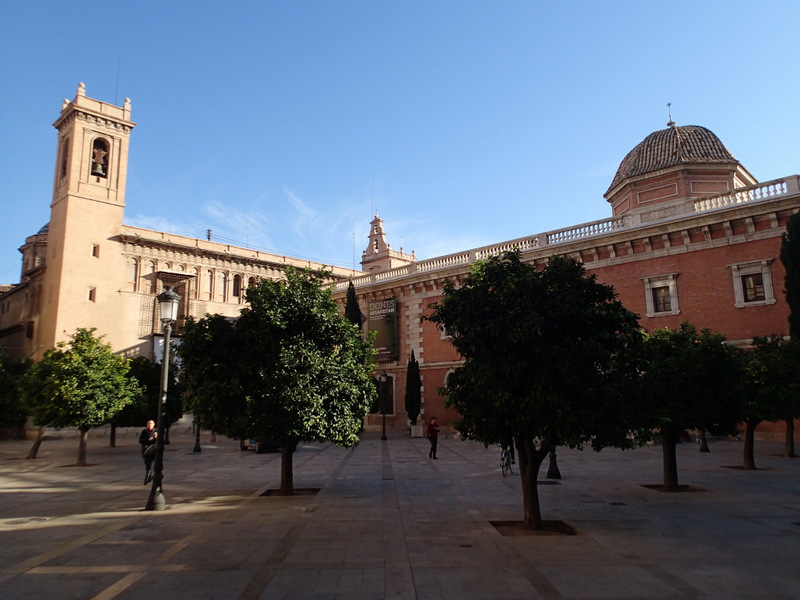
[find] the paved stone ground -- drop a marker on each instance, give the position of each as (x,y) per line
(390,523)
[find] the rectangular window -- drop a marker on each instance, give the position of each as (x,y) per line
(753,287)
(661,299)
(92,294)
(29,330)
(96,250)
(752,283)
(661,295)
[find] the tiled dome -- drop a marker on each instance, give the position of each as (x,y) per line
(689,144)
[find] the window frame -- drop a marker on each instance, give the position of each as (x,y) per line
(741,270)
(670,280)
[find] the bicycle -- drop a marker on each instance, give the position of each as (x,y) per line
(505,462)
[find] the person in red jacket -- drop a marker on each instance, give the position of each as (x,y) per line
(433,436)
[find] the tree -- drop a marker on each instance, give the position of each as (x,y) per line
(771,390)
(82,384)
(689,381)
(542,361)
(351,308)
(291,368)
(144,406)
(790,257)
(413,389)
(12,411)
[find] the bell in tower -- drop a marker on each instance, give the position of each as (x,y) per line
(99,158)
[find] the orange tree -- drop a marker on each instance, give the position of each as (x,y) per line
(689,381)
(545,361)
(81,384)
(289,369)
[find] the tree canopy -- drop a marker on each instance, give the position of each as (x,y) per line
(290,368)
(543,361)
(351,309)
(413,398)
(790,257)
(771,384)
(145,404)
(79,384)
(689,381)
(12,411)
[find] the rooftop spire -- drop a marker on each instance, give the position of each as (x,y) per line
(670,123)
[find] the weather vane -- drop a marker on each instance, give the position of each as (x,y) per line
(671,123)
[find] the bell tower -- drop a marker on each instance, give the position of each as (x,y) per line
(86,214)
(379,256)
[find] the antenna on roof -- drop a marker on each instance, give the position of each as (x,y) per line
(671,123)
(116,88)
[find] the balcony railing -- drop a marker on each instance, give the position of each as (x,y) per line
(754,193)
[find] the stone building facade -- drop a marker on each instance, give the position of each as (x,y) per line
(692,236)
(86,268)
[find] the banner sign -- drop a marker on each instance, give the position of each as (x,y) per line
(383,319)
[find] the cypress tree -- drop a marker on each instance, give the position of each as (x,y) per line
(413,389)
(351,310)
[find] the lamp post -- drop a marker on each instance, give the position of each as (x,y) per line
(384,379)
(168,308)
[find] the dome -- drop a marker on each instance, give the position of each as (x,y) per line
(686,145)
(45,228)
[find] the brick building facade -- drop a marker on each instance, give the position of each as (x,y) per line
(693,237)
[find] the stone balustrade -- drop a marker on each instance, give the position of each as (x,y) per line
(754,193)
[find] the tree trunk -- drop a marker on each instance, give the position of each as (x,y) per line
(39,439)
(669,441)
(788,440)
(749,445)
(530,460)
(287,476)
(82,446)
(112,437)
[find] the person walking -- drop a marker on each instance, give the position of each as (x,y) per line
(147,439)
(433,437)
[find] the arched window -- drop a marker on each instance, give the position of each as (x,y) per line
(237,286)
(223,278)
(64,157)
(99,158)
(133,273)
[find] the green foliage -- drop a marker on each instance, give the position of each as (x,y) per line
(144,405)
(81,384)
(790,257)
(542,360)
(12,410)
(692,380)
(351,309)
(773,384)
(413,399)
(290,368)
(689,381)
(540,351)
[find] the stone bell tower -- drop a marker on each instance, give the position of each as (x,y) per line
(81,260)
(379,256)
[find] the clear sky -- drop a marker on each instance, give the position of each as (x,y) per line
(287,124)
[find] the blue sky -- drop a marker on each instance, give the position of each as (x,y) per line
(288,124)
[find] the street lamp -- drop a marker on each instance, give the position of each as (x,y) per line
(384,379)
(168,308)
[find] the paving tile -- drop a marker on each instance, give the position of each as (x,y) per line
(388,522)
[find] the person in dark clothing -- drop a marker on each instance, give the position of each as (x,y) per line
(433,436)
(147,439)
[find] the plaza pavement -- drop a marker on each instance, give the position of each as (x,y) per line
(388,522)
